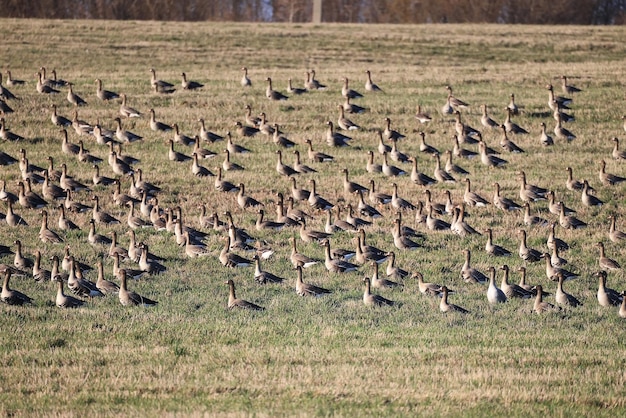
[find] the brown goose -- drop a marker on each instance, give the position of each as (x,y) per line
(130,298)
(377,198)
(46,235)
(615,235)
(616,153)
(352,108)
(485,120)
(421,116)
(11,296)
(494,293)
(571,183)
(533,220)
(298,193)
(294,90)
(607,296)
(527,254)
(64,223)
(299,166)
(589,199)
(540,306)
(307,289)
(62,300)
(545,139)
(608,179)
(553,271)
(236,303)
(504,203)
(74,98)
(245,80)
(283,169)
(418,177)
(399,203)
(224,185)
(605,262)
(346,91)
(490,160)
(564,298)
(394,271)
(512,127)
(459,226)
(391,134)
(382,283)
(569,221)
(343,122)
(567,88)
(78,285)
(264,277)
(369,85)
(370,299)
(272,94)
(472,198)
(266,224)
(336,139)
(316,201)
(124,135)
(105,286)
(350,187)
(244,201)
(336,265)
(316,156)
(99,216)
(446,307)
(299,259)
(232,260)
(494,249)
(512,290)
(530,192)
(470,274)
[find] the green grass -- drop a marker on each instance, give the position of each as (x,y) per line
(333,356)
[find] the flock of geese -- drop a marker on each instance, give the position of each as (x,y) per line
(43,190)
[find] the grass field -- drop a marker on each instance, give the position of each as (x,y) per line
(306,356)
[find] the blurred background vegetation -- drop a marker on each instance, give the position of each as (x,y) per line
(579,12)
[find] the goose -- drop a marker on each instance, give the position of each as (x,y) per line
(335,265)
(99,216)
(522,281)
(391,134)
(532,220)
(19,261)
(57,119)
(397,155)
(134,221)
(104,95)
(571,183)
(119,198)
(553,205)
(530,192)
(494,249)
(377,198)
(189,84)
(299,259)
(589,199)
(472,198)
(74,206)
(78,285)
(307,289)
(245,131)
(391,170)
(440,208)
(294,90)
(118,166)
(264,277)
(346,91)
(232,260)
(206,135)
(40,274)
(6,159)
(94,238)
(11,296)
(465,133)
(282,216)
(509,145)
(298,193)
(316,85)
(228,165)
(560,132)
(85,157)
(558,114)
(338,225)
(564,298)
(12,82)
(540,306)
(344,123)
(371,299)
(421,116)
(605,262)
(350,187)
(193,250)
(544,138)
(29,200)
(553,271)
(351,107)
(616,153)
(615,235)
(224,185)
(62,300)
(555,259)
(382,283)
(470,274)
(281,140)
(156,125)
(459,226)
(428,289)
(368,255)
(606,295)
(124,135)
(42,87)
(103,136)
(494,293)
(105,286)
(244,201)
(74,98)
(272,94)
(369,86)
(398,202)
(510,126)
(132,273)
(527,254)
(245,80)
(51,191)
(263,224)
(512,290)
(555,102)
(392,270)
(67,147)
(402,241)
(490,160)
(315,200)
(265,127)
(181,138)
(485,120)
(12,218)
(504,203)
(309,235)
(608,179)
(567,88)
(440,174)
(160,86)
(452,168)
(336,139)
(197,169)
(7,135)
(283,169)
(569,221)
(128,297)
(116,250)
(299,166)
(426,148)
(201,152)
(457,151)
(180,157)
(365,209)
(316,156)
(64,223)
(418,177)
(446,307)
(149,266)
(455,102)
(435,224)
(382,147)
(127,111)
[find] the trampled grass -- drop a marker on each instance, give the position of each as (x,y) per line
(328,356)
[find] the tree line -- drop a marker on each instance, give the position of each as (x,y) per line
(580,12)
